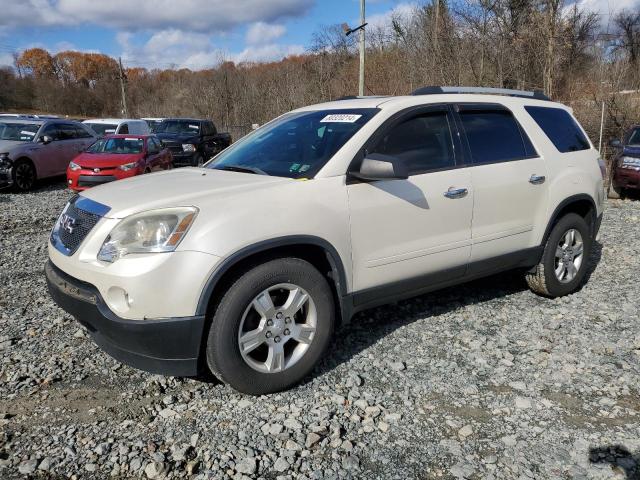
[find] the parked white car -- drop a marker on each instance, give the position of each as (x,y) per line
(245,267)
(118,126)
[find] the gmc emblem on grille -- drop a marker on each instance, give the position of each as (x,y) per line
(67,223)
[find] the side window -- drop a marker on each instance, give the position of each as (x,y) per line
(209,129)
(152,146)
(67,131)
(124,129)
(495,136)
(81,132)
(51,130)
(423,143)
(561,128)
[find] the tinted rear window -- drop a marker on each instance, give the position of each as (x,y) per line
(494,136)
(561,128)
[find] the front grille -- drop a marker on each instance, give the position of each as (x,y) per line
(73,226)
(91,180)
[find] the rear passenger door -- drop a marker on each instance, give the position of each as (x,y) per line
(409,233)
(509,181)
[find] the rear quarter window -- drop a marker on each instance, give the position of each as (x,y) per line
(561,128)
(494,136)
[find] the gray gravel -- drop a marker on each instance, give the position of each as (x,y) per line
(485,380)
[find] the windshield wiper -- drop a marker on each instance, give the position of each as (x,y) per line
(242,169)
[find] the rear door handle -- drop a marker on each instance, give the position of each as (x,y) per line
(537,179)
(456,192)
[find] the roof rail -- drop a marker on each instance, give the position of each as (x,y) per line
(536,94)
(356,97)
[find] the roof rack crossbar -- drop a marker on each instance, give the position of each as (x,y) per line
(535,94)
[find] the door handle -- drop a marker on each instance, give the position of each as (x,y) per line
(456,192)
(537,179)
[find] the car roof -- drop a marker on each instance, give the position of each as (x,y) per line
(129,135)
(398,102)
(111,120)
(186,119)
(26,121)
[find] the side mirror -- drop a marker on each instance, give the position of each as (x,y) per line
(376,166)
(45,139)
(615,143)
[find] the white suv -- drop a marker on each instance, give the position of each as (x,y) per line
(247,265)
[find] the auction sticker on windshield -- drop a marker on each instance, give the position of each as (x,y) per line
(341,118)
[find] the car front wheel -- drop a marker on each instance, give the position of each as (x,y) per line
(563,265)
(24,175)
(271,327)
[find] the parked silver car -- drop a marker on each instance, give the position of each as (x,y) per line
(31,149)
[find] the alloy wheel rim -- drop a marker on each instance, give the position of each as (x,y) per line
(277,328)
(569,256)
(24,176)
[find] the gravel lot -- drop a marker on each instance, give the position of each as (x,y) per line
(485,380)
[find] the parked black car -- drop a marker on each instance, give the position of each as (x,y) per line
(191,141)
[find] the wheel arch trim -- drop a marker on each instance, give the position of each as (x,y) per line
(333,257)
(565,203)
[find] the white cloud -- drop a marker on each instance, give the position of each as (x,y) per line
(607,9)
(261,32)
(6,59)
(266,53)
(170,48)
(383,20)
(195,15)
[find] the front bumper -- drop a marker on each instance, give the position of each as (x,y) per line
(85,178)
(184,159)
(6,178)
(627,178)
(169,346)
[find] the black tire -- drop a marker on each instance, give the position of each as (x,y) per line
(223,352)
(542,279)
(198,160)
(24,175)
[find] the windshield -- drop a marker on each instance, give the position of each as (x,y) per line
(18,132)
(178,126)
(153,125)
(297,145)
(117,145)
(634,138)
(103,129)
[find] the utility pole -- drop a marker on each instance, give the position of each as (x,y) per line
(362,51)
(123,80)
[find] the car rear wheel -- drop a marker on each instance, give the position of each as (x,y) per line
(564,262)
(24,175)
(271,327)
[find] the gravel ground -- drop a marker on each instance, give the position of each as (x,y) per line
(485,380)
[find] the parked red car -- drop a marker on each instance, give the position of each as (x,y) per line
(116,157)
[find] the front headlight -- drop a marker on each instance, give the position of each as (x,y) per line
(128,166)
(630,162)
(73,166)
(148,232)
(188,147)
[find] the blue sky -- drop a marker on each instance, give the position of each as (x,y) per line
(179,33)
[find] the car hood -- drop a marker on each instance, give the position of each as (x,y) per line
(103,160)
(197,187)
(177,137)
(632,151)
(7,145)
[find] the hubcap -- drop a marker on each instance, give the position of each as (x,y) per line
(24,176)
(569,256)
(277,328)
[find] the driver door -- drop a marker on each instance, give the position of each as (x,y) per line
(407,234)
(47,157)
